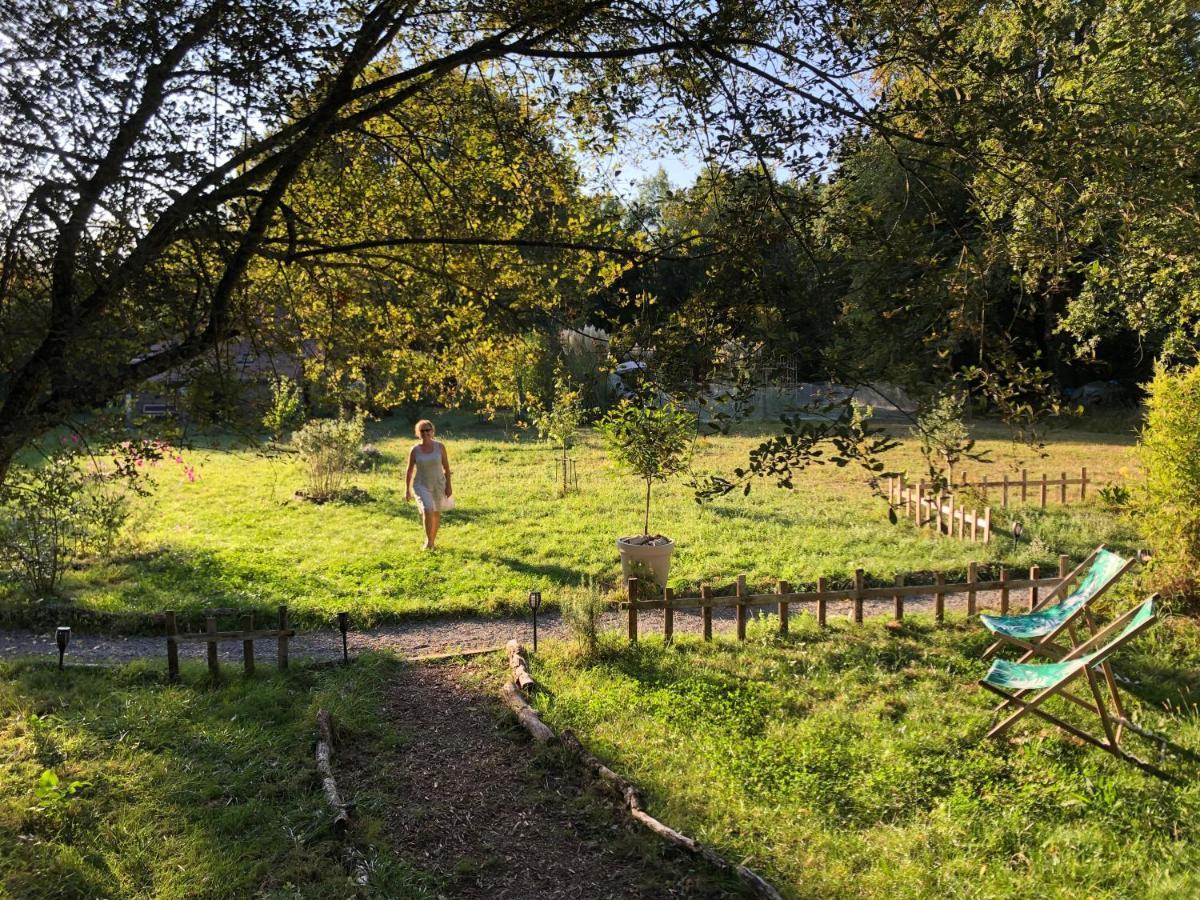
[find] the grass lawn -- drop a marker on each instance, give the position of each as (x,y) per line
(238,536)
(190,790)
(850,762)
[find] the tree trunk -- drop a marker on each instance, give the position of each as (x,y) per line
(646,523)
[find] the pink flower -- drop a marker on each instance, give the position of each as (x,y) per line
(179,459)
(191,474)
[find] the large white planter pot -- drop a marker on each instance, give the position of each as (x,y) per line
(645,561)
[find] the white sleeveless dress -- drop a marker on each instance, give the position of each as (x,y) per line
(429,481)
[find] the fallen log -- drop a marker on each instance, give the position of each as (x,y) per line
(341,810)
(526,715)
(520,667)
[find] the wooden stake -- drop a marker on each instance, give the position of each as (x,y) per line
(172,647)
(939,514)
(950,523)
(706,611)
(858,600)
(1035,572)
(1062,489)
(1083,483)
(283,638)
(1004,590)
(783,588)
(821,586)
(974,525)
(972,577)
(987,525)
(1024,485)
(668,615)
(1043,491)
(631,593)
(1004,492)
(248,646)
(920,504)
(939,598)
(210,627)
(898,599)
(740,590)
(1064,565)
(984,487)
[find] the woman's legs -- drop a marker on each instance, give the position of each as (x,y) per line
(432,520)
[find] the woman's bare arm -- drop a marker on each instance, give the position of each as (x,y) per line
(446,469)
(408,476)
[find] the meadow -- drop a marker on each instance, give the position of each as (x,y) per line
(851,761)
(184,790)
(238,535)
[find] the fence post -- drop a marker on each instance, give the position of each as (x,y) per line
(740,591)
(984,487)
(939,597)
(1004,590)
(1062,489)
(1043,492)
(902,498)
(898,598)
(248,644)
(1024,485)
(1035,572)
(283,637)
(950,523)
(858,600)
(974,525)
(172,647)
(987,525)
(962,522)
(210,626)
(1083,483)
(1004,492)
(821,588)
(972,577)
(920,503)
(783,588)
(706,610)
(1064,565)
(668,615)
(939,514)
(631,592)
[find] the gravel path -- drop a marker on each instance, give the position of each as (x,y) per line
(422,637)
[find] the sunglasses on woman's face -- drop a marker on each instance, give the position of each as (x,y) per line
(426,430)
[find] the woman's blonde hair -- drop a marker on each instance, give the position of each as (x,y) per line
(422,424)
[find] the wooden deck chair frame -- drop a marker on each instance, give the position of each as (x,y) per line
(1046,646)
(1112,723)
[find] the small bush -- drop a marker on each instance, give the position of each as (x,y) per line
(1168,505)
(285,408)
(559,423)
(330,450)
(582,611)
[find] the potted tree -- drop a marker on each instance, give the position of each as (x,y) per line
(653,442)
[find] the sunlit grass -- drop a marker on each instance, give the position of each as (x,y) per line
(239,536)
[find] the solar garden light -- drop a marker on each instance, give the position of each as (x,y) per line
(343,627)
(62,637)
(1017,528)
(535,600)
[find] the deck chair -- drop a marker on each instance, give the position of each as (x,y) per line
(1036,631)
(1015,681)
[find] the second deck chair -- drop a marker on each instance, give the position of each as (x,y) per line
(1016,681)
(1036,631)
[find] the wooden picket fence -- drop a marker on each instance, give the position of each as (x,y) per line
(784,598)
(1042,488)
(938,511)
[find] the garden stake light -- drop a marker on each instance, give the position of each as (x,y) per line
(62,637)
(535,600)
(343,627)
(1017,528)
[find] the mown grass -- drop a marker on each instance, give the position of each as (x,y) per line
(191,790)
(850,762)
(239,537)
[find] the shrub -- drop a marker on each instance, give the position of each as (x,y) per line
(284,411)
(1168,505)
(582,611)
(42,521)
(329,449)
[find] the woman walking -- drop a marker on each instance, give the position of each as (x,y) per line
(431,466)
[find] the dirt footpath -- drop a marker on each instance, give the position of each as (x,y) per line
(474,801)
